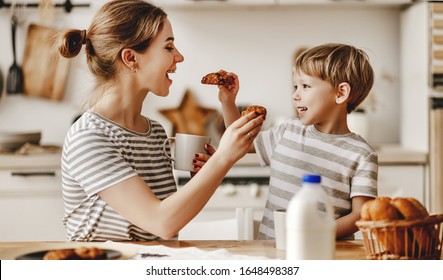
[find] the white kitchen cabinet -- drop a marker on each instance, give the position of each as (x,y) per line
(31,203)
(369,2)
(245,186)
(402,181)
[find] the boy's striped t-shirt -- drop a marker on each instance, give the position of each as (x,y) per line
(347,164)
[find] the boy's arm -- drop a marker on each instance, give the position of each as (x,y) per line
(226,96)
(230,113)
(346,224)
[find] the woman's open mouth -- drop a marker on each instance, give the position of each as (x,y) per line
(170,72)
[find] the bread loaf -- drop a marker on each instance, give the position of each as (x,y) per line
(385,208)
(410,208)
(379,209)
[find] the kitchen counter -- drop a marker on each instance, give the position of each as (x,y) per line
(345,250)
(394,154)
(12,161)
(387,155)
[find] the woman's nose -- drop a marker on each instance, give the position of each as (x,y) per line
(179,57)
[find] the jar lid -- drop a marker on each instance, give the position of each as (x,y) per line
(311,178)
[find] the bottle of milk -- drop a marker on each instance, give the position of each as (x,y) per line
(310,223)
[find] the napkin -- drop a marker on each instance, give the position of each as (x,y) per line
(145,252)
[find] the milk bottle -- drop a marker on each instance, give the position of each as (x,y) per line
(310,233)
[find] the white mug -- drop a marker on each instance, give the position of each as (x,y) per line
(184,147)
(280,229)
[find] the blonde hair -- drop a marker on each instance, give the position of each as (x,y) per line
(338,63)
(117,25)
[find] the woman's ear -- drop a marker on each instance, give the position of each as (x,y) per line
(129,59)
(343,92)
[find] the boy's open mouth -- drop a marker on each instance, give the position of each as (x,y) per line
(301,109)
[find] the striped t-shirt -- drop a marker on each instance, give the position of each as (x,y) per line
(98,154)
(347,164)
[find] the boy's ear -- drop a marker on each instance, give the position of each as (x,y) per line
(343,92)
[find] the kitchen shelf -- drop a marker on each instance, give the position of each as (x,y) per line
(67,5)
(264,3)
(436,45)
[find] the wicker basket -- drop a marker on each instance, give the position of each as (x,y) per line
(402,239)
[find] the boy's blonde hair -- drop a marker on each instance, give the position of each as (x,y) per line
(338,63)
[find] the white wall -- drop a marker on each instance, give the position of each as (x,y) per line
(414,132)
(256,43)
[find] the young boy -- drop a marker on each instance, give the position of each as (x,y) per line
(330,81)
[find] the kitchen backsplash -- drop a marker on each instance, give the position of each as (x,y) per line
(257,44)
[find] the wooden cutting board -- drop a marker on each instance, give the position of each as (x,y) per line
(45,71)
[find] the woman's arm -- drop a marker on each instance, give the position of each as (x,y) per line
(135,201)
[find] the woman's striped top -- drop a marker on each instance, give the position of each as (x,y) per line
(98,154)
(347,164)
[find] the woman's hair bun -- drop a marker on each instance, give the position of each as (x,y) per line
(71,42)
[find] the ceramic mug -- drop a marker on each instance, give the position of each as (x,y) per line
(184,147)
(280,228)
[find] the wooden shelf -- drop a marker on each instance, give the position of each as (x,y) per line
(67,5)
(436,45)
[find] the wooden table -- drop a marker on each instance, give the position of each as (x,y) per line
(346,250)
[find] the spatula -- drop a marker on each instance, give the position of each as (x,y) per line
(14,82)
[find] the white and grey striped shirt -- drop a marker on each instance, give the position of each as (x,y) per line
(98,154)
(347,164)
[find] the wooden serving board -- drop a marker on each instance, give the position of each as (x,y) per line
(45,70)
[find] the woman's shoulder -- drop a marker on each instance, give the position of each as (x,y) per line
(88,121)
(156,128)
(90,126)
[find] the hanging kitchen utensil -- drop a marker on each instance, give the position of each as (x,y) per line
(1,83)
(14,82)
(46,11)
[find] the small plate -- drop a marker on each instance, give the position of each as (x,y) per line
(110,255)
(36,251)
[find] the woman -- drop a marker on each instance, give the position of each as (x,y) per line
(117,183)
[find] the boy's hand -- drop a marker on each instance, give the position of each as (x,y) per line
(227,94)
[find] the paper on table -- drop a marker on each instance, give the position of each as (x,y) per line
(188,253)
